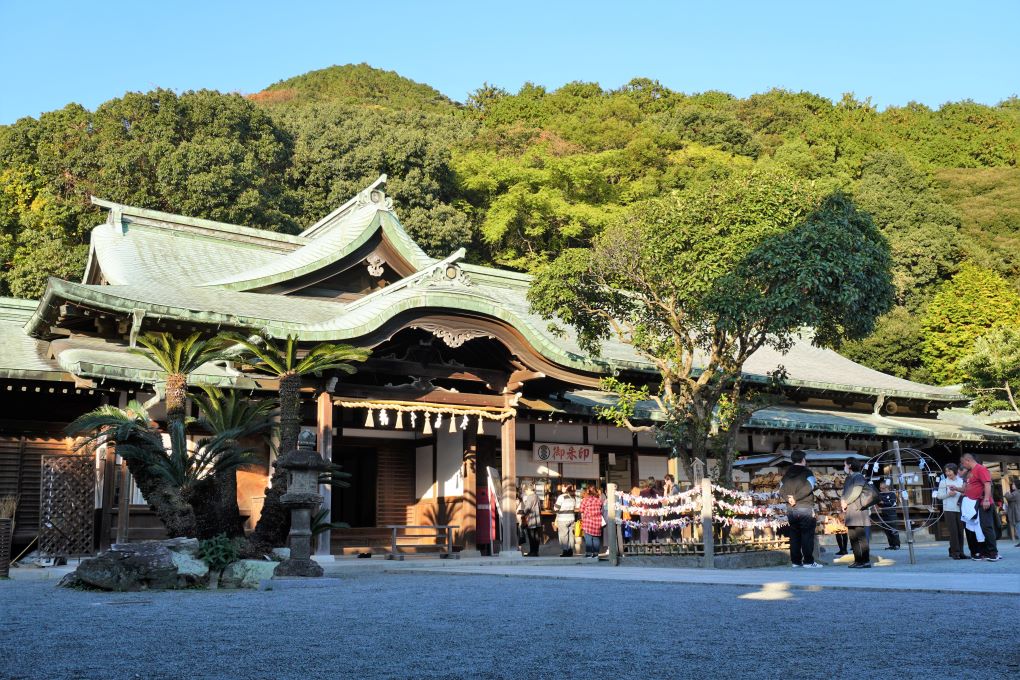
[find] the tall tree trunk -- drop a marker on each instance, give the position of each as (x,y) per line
(274,524)
(216,510)
(172,509)
(176,396)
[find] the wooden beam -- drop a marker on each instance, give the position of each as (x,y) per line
(435,396)
(441,371)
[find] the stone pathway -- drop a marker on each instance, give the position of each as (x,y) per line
(829,578)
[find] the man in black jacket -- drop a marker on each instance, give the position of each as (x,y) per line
(797,488)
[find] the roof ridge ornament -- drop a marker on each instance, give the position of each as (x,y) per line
(373,196)
(362,198)
(445,273)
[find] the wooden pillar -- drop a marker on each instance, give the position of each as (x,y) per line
(124,508)
(109,493)
(508,512)
(324,435)
(469,502)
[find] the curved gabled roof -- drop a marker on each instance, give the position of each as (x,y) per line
(173,267)
(137,245)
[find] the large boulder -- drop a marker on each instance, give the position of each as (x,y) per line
(247,573)
(145,565)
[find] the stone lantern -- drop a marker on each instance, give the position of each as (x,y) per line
(302,498)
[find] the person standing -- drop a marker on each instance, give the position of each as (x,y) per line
(889,514)
(648,490)
(798,487)
(530,515)
(950,491)
(564,508)
(591,521)
(670,488)
(1013,508)
(979,490)
(858,496)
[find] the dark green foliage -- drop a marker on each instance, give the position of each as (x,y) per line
(202,153)
(339,150)
(218,552)
(894,347)
(922,230)
(520,177)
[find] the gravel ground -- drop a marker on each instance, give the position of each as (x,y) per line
(423,625)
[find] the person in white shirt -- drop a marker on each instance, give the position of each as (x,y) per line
(565,509)
(950,492)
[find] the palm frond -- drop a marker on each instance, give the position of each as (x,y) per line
(319,523)
(175,355)
(258,352)
(223,410)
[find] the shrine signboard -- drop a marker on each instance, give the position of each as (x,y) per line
(545,452)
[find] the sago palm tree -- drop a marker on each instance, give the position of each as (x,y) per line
(178,358)
(284,361)
(168,477)
(224,412)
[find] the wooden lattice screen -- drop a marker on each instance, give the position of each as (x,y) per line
(67,505)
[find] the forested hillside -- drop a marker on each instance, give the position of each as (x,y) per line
(519,176)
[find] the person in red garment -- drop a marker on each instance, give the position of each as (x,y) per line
(591,521)
(979,490)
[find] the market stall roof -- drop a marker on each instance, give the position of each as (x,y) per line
(783,457)
(954,426)
(804,419)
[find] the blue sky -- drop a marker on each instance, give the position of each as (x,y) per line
(893,51)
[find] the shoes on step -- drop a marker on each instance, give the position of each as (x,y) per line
(813,565)
(994,558)
(795,566)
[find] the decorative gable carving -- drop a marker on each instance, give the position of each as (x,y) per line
(375,263)
(453,337)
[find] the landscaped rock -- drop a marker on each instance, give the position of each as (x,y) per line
(130,566)
(247,573)
(281,554)
(145,565)
(191,571)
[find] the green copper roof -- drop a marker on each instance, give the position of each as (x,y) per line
(833,421)
(23,357)
(100,359)
(178,268)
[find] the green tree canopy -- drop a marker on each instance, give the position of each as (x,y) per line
(923,231)
(968,306)
(699,281)
(992,371)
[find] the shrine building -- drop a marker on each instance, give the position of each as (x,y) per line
(465,383)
